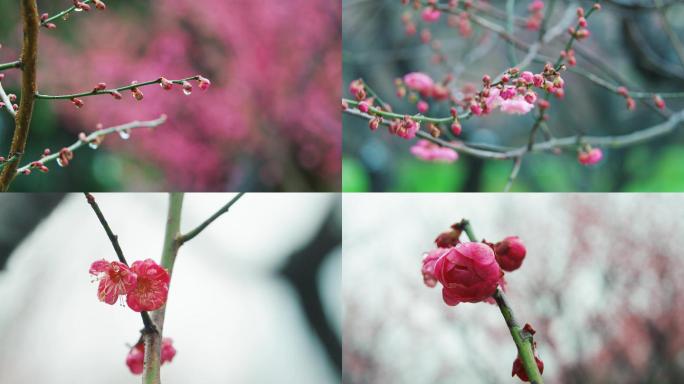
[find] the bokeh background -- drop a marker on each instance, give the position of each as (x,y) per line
(270,121)
(255,298)
(627,35)
(601,284)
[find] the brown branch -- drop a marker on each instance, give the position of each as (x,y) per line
(29,55)
(149,326)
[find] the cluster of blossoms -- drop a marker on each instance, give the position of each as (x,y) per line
(514,93)
(136,356)
(471,272)
(146,287)
(145,284)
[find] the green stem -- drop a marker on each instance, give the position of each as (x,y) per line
(110,90)
(418,118)
(63,13)
(468,229)
(522,342)
(10,65)
(153,341)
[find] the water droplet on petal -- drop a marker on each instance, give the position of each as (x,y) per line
(187,91)
(77,9)
(59,162)
(125,134)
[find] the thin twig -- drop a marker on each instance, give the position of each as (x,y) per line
(190,235)
(107,91)
(95,135)
(514,173)
(62,15)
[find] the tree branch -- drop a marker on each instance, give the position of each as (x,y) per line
(96,92)
(152,360)
(190,235)
(29,53)
(149,327)
(93,137)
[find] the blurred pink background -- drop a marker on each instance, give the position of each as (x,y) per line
(270,120)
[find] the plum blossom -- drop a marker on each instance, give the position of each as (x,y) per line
(429,261)
(425,150)
(590,157)
(510,253)
(468,273)
(116,279)
(510,101)
(430,14)
(419,81)
(152,286)
(519,370)
(136,356)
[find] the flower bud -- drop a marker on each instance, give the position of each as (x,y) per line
(510,253)
(519,370)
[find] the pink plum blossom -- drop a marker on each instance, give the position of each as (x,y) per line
(419,81)
(152,286)
(425,150)
(429,261)
(510,253)
(590,157)
(116,279)
(468,273)
(136,356)
(430,14)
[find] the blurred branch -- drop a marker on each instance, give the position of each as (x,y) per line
(190,235)
(114,239)
(29,53)
(94,138)
(671,34)
(302,269)
(522,339)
